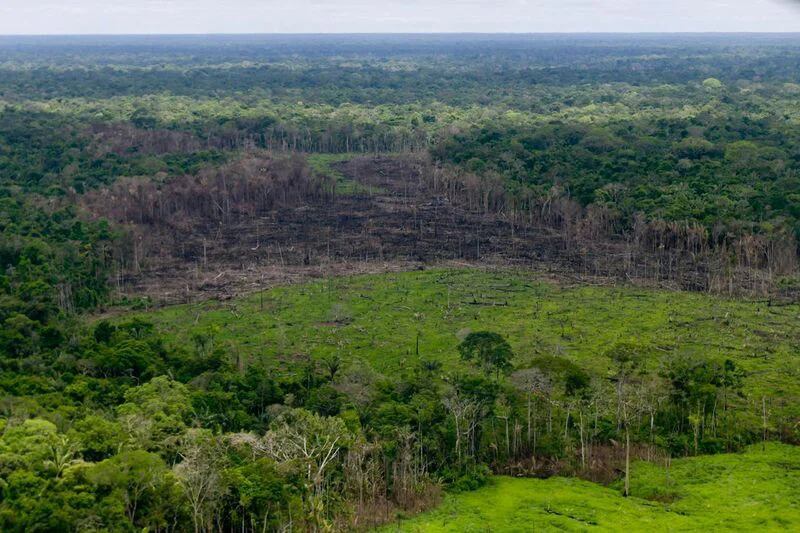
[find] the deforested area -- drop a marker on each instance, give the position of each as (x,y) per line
(428,282)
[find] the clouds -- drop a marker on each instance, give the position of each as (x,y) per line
(293,16)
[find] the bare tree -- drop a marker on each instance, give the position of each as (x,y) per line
(200,475)
(534,383)
(466,413)
(630,408)
(311,442)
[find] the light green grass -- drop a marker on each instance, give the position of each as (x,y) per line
(753,491)
(323,164)
(377,318)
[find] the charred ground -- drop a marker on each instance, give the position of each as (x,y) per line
(269,219)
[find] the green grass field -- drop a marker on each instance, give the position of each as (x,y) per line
(378,319)
(386,319)
(323,164)
(752,491)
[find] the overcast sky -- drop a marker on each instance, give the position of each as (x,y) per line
(328,16)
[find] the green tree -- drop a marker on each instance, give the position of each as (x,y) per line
(137,476)
(260,493)
(154,414)
(99,437)
(488,350)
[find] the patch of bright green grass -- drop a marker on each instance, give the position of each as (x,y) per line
(753,491)
(323,164)
(378,319)
(756,490)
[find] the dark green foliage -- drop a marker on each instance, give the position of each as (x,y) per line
(488,350)
(325,401)
(737,172)
(571,377)
(259,494)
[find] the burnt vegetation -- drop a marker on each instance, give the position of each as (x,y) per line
(269,217)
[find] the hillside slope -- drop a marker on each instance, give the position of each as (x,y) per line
(392,320)
(733,492)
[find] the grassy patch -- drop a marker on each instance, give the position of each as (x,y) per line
(393,320)
(323,164)
(751,491)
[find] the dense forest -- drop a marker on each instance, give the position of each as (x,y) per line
(139,171)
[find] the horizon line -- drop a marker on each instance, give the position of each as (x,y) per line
(400,33)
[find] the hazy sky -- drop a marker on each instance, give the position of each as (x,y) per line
(291,16)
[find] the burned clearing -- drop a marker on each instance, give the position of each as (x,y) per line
(242,231)
(396,222)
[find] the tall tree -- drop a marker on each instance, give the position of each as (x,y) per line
(488,350)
